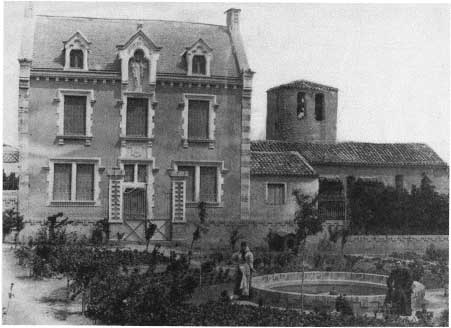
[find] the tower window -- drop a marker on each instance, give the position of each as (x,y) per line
(319,107)
(300,109)
(76,58)
(199,64)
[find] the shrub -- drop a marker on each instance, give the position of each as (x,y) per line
(434,254)
(378,209)
(12,220)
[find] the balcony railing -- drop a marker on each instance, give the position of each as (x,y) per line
(331,207)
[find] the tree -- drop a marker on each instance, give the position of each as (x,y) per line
(234,237)
(307,224)
(12,220)
(150,229)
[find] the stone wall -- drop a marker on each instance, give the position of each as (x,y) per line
(385,245)
(263,289)
(262,211)
(282,110)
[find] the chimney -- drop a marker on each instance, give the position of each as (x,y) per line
(233,19)
(28,11)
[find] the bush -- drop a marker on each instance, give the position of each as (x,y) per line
(434,254)
(378,209)
(12,220)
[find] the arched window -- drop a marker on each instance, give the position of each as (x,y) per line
(300,109)
(319,107)
(76,58)
(199,65)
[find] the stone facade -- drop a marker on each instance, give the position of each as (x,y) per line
(109,81)
(285,122)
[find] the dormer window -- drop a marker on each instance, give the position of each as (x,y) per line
(76,52)
(199,64)
(198,59)
(76,59)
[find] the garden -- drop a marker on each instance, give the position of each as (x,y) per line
(116,286)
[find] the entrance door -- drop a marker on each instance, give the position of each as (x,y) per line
(134,213)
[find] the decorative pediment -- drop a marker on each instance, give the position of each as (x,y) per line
(79,43)
(199,47)
(198,58)
(139,45)
(139,40)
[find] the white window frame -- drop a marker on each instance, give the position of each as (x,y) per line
(150,114)
(73,201)
(284,193)
(90,101)
(219,179)
(213,106)
(135,183)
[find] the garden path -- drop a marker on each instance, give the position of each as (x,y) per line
(32,302)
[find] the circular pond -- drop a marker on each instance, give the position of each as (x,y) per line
(330,288)
(365,292)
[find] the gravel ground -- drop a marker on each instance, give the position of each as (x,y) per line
(35,302)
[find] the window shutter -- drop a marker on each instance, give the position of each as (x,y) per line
(137,117)
(189,187)
(208,184)
(129,170)
(115,196)
(85,182)
(76,58)
(62,181)
(142,173)
(178,201)
(74,115)
(276,194)
(199,64)
(198,117)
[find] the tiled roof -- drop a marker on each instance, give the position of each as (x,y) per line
(299,84)
(10,154)
(357,153)
(106,34)
(280,163)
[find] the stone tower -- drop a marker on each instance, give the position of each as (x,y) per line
(302,111)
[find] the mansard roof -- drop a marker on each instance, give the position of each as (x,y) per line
(304,84)
(357,153)
(105,34)
(280,164)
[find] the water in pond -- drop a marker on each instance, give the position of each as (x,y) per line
(325,288)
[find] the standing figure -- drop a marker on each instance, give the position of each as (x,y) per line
(244,260)
(137,66)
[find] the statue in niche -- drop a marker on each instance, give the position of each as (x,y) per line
(138,65)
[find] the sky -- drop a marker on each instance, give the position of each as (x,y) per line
(391,63)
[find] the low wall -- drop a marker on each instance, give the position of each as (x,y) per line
(381,245)
(262,288)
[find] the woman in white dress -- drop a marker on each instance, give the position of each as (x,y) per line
(244,259)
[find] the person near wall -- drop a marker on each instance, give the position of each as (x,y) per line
(244,260)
